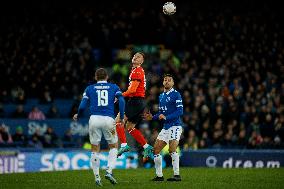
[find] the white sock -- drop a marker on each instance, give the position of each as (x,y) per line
(111,160)
(158,165)
(145,146)
(123,144)
(95,162)
(175,162)
(97,177)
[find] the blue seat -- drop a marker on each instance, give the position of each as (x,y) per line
(32,101)
(64,106)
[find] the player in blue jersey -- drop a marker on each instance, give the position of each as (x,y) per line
(101,97)
(170,111)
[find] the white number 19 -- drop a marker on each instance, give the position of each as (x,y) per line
(102,97)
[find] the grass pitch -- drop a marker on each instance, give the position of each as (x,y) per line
(206,178)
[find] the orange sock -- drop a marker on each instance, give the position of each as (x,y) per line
(121,132)
(138,136)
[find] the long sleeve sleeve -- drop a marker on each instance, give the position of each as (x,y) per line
(121,107)
(179,109)
(83,103)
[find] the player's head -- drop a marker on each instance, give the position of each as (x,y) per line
(101,74)
(138,59)
(168,81)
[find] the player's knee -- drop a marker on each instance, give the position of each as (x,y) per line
(113,145)
(172,149)
(95,148)
(156,151)
(129,125)
(116,120)
(117,117)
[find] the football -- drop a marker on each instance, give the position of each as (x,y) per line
(169,8)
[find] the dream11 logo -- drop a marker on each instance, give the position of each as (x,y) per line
(211,161)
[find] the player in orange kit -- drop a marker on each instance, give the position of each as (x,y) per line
(134,108)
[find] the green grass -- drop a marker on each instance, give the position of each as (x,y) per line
(140,178)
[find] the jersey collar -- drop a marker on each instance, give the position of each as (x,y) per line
(102,82)
(172,89)
(135,67)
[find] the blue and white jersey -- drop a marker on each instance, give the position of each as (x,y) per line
(170,105)
(101,97)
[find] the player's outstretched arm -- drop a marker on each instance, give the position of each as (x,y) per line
(148,116)
(82,105)
(132,88)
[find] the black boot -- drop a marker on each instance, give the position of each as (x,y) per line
(158,178)
(175,178)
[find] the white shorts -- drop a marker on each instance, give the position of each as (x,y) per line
(172,133)
(102,125)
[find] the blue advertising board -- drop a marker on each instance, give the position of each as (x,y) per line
(77,160)
(233,158)
(58,161)
(59,126)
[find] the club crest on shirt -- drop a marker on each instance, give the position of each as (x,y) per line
(168,99)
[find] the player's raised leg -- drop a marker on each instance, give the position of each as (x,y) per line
(138,136)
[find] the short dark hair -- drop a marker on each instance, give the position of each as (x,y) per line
(168,75)
(101,74)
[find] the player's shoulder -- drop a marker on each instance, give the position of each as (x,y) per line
(90,86)
(176,93)
(89,89)
(141,68)
(115,87)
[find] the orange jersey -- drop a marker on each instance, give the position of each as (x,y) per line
(138,74)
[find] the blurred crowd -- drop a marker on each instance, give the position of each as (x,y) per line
(39,139)
(228,66)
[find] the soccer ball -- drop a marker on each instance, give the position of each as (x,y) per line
(169,8)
